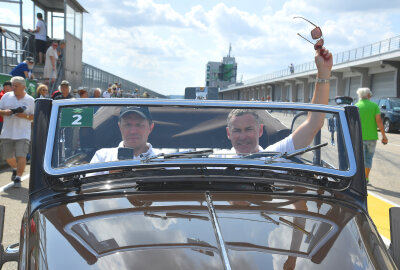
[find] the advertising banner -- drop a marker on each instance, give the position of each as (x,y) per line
(31,85)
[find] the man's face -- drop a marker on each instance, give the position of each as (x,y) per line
(244,133)
(7,88)
(135,131)
(96,94)
(64,90)
(18,88)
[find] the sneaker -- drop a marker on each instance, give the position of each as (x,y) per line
(17,182)
(367,180)
(14,174)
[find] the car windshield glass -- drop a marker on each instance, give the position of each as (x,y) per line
(395,104)
(157,134)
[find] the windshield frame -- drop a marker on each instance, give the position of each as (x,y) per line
(238,162)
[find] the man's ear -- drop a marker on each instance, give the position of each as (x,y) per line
(151,127)
(228,133)
(260,132)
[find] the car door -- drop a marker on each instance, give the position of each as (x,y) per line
(383,107)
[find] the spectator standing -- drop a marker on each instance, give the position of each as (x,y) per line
(97,93)
(17,108)
(42,91)
(108,93)
(50,67)
(40,37)
(24,69)
(291,68)
(83,93)
(63,91)
(370,116)
(6,88)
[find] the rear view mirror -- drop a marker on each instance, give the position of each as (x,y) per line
(383,107)
(125,153)
(344,100)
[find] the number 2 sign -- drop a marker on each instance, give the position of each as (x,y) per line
(76,117)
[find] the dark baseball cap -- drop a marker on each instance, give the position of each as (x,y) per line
(30,59)
(143,111)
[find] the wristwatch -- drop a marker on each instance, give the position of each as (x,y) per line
(319,80)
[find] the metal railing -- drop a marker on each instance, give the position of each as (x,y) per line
(93,77)
(377,48)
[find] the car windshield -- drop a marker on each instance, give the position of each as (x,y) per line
(395,104)
(94,134)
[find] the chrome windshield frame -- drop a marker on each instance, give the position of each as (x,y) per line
(212,162)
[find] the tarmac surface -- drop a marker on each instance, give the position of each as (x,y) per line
(384,193)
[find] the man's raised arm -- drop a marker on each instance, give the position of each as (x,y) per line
(305,133)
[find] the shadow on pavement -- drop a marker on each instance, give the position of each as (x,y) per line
(18,194)
(384,191)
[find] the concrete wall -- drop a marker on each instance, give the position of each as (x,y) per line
(73,61)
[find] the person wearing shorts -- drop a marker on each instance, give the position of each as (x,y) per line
(40,37)
(370,116)
(17,108)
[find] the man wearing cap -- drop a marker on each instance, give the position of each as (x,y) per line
(17,108)
(135,124)
(24,69)
(63,91)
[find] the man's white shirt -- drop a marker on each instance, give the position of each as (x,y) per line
(285,145)
(14,127)
(106,94)
(111,154)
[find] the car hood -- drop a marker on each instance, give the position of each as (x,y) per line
(203,231)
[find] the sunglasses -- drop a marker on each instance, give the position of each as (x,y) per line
(316,34)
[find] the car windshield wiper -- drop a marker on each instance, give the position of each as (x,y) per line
(290,155)
(189,153)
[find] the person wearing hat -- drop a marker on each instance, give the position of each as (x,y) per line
(24,69)
(83,93)
(63,91)
(135,124)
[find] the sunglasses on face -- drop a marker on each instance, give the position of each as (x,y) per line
(316,34)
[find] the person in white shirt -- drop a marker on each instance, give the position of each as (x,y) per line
(107,94)
(50,66)
(40,37)
(17,108)
(135,124)
(244,127)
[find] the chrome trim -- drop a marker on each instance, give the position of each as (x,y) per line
(217,231)
(191,103)
(209,161)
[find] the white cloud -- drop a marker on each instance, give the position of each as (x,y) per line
(165,50)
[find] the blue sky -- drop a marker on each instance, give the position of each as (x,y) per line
(165,45)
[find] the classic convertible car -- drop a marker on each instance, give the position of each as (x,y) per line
(192,199)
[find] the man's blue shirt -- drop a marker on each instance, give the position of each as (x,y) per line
(19,70)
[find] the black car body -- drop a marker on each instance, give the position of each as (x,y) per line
(390,113)
(194,204)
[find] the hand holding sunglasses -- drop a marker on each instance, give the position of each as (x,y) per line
(316,34)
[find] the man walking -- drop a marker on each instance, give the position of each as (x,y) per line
(370,116)
(17,108)
(40,37)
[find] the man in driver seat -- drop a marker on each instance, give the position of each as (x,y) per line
(135,124)
(244,127)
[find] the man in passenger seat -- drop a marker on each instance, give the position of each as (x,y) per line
(244,127)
